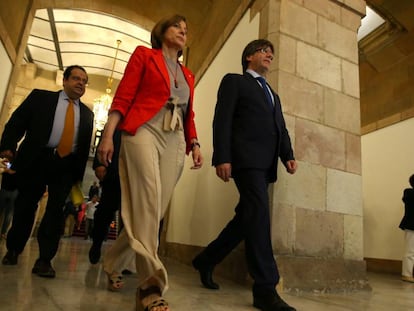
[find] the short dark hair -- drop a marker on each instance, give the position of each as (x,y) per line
(411,180)
(68,71)
(252,48)
(157,33)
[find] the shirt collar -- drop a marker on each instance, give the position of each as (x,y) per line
(64,96)
(253,73)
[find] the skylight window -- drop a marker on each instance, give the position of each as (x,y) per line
(369,23)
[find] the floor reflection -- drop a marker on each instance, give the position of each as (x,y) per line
(81,286)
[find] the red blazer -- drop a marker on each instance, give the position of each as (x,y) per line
(144,90)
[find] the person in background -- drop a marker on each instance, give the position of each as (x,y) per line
(89,216)
(249,136)
(56,128)
(407,224)
(153,107)
(41,208)
(69,213)
(81,209)
(8,193)
(93,190)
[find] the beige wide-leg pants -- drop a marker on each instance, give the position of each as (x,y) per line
(408,259)
(150,165)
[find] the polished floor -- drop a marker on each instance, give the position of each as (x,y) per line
(81,286)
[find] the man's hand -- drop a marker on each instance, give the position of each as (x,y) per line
(100,172)
(224,171)
(291,166)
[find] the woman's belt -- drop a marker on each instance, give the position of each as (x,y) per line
(172,121)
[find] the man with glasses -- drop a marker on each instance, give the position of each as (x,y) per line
(57,129)
(249,135)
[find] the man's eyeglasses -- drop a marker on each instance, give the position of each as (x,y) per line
(266,51)
(79,79)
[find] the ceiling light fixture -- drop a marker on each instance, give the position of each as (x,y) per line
(102,104)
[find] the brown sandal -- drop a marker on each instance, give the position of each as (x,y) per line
(160,302)
(157,302)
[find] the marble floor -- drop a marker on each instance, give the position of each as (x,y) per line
(81,286)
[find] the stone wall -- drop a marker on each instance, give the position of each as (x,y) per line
(317,213)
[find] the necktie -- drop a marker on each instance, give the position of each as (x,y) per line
(64,147)
(266,91)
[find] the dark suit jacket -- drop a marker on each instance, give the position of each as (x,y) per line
(246,132)
(33,119)
(407,221)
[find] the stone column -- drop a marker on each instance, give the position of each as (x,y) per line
(317,213)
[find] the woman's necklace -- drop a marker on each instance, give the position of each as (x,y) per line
(172,72)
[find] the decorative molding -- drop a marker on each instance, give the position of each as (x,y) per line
(383,36)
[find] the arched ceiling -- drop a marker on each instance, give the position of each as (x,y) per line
(61,36)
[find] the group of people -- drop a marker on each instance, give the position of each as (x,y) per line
(152,120)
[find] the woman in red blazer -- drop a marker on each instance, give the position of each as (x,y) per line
(153,107)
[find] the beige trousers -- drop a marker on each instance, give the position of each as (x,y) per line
(150,165)
(408,259)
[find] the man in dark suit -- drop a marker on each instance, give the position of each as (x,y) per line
(110,200)
(57,129)
(249,135)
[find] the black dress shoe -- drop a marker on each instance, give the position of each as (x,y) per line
(271,302)
(206,273)
(43,269)
(94,253)
(10,259)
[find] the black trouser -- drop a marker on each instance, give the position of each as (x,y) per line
(55,172)
(109,203)
(251,224)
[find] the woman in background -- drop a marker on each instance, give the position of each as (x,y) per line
(407,224)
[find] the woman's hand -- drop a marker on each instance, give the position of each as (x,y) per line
(105,151)
(197,158)
(106,147)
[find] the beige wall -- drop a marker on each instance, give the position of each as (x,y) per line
(203,204)
(387,163)
(6,67)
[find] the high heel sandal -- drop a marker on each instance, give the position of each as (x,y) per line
(157,302)
(115,282)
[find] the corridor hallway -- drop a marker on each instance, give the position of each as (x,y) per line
(81,286)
